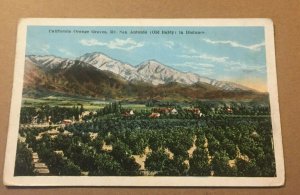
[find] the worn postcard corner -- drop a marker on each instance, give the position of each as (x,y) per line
(145,102)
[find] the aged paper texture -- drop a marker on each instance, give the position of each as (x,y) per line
(144,102)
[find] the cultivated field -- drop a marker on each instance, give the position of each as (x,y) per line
(202,138)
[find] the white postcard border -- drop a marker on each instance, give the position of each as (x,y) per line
(11,180)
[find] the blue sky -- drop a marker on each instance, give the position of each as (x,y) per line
(225,53)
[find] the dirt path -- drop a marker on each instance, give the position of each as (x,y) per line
(107,147)
(241,156)
(140,159)
(191,151)
(206,149)
(40,168)
(193,148)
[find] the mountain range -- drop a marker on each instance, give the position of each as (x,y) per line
(98,75)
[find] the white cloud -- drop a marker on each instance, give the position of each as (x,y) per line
(206,57)
(248,69)
(123,44)
(45,48)
(254,47)
(127,44)
(66,52)
(91,42)
(213,58)
(229,65)
(191,53)
(195,64)
(206,65)
(38,49)
(187,49)
(199,61)
(253,69)
(204,71)
(194,67)
(169,44)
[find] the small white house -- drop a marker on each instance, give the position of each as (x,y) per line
(59,152)
(154,115)
(229,110)
(85,113)
(128,113)
(174,111)
(131,112)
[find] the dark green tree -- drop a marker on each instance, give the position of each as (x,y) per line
(156,161)
(174,167)
(23,165)
(199,165)
(220,165)
(247,168)
(122,154)
(106,165)
(70,169)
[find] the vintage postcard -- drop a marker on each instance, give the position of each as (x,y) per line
(144,102)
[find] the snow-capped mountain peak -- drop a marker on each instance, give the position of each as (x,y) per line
(150,71)
(151,65)
(103,62)
(158,73)
(46,62)
(43,60)
(96,59)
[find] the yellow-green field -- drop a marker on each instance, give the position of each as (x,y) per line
(88,104)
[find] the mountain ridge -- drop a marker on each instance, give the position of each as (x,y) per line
(161,74)
(75,77)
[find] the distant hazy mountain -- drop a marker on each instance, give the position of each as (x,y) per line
(152,72)
(98,75)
